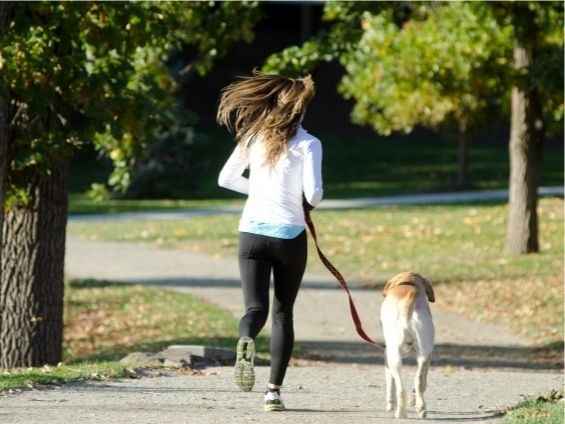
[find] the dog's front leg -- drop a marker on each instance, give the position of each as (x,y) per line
(390,389)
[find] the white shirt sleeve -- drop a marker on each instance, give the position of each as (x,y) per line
(312,173)
(231,174)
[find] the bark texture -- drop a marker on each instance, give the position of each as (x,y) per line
(3,161)
(32,282)
(526,141)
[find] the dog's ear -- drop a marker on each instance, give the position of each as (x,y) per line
(429,290)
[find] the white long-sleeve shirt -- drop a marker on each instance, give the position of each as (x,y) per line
(275,193)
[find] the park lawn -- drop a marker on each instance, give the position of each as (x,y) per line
(383,166)
(81,204)
(458,247)
(105,321)
(542,410)
(17,379)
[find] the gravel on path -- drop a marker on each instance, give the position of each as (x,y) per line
(313,395)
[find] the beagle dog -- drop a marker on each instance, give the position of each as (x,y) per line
(407,326)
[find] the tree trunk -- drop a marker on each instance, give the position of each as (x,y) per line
(32,283)
(462,157)
(526,140)
(3,161)
(5,9)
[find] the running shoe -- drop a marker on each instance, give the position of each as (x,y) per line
(273,401)
(244,375)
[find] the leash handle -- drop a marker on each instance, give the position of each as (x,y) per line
(340,279)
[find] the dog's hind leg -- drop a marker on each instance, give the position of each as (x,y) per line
(390,395)
(420,383)
(394,363)
(425,344)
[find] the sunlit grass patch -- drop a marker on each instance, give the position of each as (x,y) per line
(447,242)
(458,247)
(543,410)
(108,322)
(63,373)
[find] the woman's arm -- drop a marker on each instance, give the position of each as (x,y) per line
(312,173)
(231,174)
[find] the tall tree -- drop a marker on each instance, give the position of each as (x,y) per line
(538,65)
(401,70)
(439,68)
(422,63)
(83,73)
(5,11)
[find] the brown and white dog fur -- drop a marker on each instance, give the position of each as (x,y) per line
(407,324)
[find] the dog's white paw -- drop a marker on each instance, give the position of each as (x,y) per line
(420,408)
(389,406)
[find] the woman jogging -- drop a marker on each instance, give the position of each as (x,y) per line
(284,161)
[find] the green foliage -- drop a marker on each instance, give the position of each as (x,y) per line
(547,70)
(167,166)
(444,66)
(98,193)
(538,26)
(433,63)
(96,72)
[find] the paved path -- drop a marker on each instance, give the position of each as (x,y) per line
(478,368)
(323,323)
(314,395)
(365,202)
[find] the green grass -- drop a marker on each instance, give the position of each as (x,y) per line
(397,165)
(446,242)
(543,410)
(456,246)
(105,321)
(36,377)
(353,167)
(82,204)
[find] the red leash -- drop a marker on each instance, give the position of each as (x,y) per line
(342,282)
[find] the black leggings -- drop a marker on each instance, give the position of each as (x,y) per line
(258,255)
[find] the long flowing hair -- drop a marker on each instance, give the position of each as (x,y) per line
(271,106)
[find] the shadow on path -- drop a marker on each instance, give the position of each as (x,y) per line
(468,356)
(548,357)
